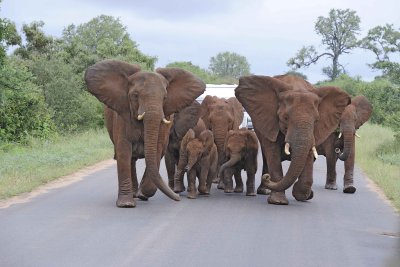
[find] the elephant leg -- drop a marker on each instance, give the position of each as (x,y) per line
(272,154)
(135,184)
(192,192)
(348,180)
(238,181)
(125,188)
(302,188)
(170,164)
(331,159)
(228,181)
(203,180)
(250,184)
(262,190)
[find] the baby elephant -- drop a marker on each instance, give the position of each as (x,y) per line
(199,158)
(241,148)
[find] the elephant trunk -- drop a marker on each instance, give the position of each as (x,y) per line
(232,161)
(348,137)
(151,131)
(300,147)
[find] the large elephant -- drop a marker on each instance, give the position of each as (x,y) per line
(184,120)
(199,159)
(341,143)
(138,105)
(241,149)
(221,115)
(290,118)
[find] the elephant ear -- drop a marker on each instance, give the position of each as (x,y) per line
(207,138)
(363,109)
(259,97)
(252,141)
(333,101)
(238,113)
(107,80)
(205,109)
(186,119)
(189,136)
(183,87)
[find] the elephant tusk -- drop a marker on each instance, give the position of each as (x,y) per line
(287,146)
(337,150)
(340,135)
(166,121)
(314,150)
(140,116)
(356,134)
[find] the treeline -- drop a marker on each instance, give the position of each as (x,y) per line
(42,91)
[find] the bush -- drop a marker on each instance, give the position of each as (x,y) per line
(23,111)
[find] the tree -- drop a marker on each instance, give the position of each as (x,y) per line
(102,37)
(229,64)
(196,70)
(384,41)
(338,32)
(8,36)
(37,42)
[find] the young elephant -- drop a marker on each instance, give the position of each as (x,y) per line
(199,158)
(241,148)
(341,143)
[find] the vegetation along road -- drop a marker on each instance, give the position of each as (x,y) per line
(79,225)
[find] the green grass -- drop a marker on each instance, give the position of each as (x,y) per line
(377,153)
(25,167)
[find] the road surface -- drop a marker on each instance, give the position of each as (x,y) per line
(79,225)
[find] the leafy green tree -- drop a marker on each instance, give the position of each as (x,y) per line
(196,70)
(103,37)
(338,32)
(229,65)
(384,42)
(8,37)
(23,111)
(37,42)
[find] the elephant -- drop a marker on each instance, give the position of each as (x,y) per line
(341,143)
(221,115)
(138,105)
(187,118)
(199,159)
(241,149)
(290,118)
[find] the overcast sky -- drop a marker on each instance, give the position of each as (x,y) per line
(266,32)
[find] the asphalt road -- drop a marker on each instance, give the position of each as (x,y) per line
(79,225)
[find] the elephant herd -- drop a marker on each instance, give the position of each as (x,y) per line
(152,115)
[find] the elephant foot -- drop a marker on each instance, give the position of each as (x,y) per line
(331,186)
(215,180)
(238,189)
(126,201)
(302,193)
(278,198)
(349,189)
(251,193)
(178,188)
(203,190)
(221,185)
(192,195)
(263,191)
(228,190)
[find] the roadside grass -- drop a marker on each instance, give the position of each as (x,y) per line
(25,167)
(378,155)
